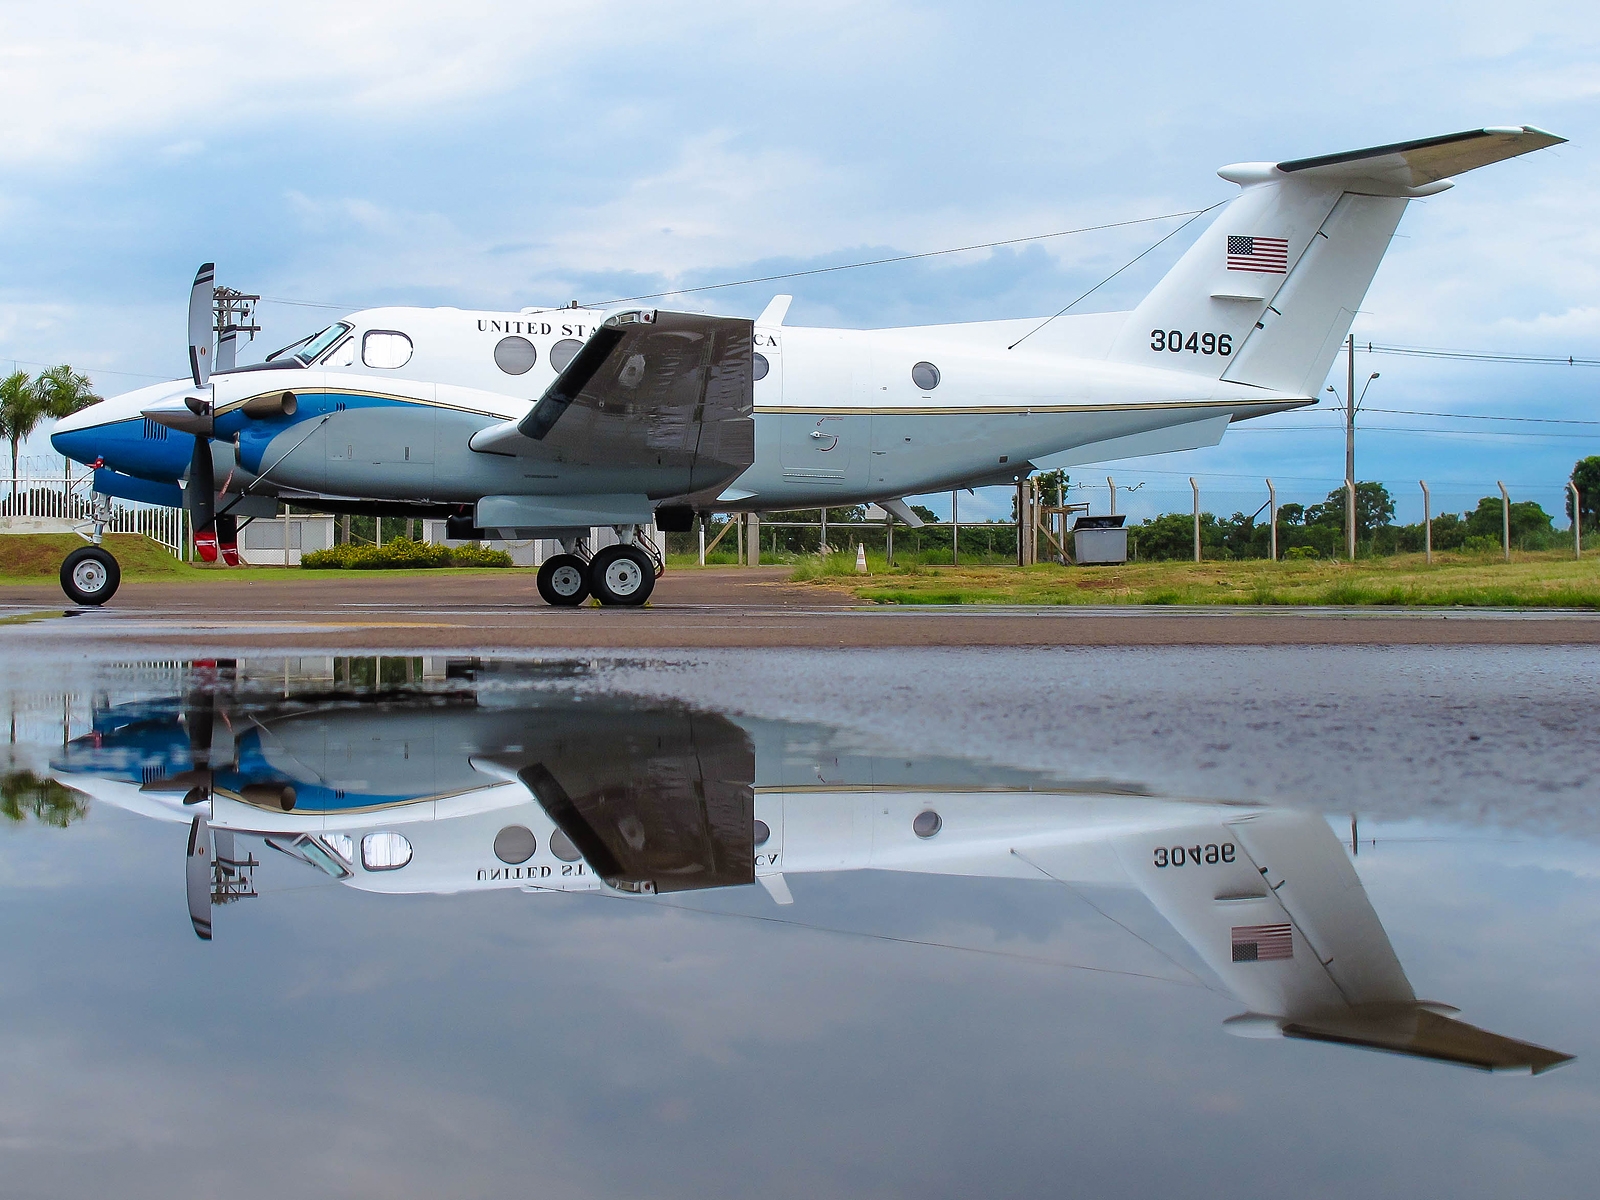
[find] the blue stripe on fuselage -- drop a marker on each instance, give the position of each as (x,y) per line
(256,433)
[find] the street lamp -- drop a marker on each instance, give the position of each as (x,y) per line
(1350,449)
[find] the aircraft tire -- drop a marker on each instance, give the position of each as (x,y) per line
(90,576)
(564,580)
(622,575)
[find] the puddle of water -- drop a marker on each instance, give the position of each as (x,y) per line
(422,926)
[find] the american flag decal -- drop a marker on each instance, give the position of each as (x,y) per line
(1264,255)
(1262,943)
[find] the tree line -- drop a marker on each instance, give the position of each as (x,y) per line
(1317,530)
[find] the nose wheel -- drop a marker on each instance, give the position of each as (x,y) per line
(90,575)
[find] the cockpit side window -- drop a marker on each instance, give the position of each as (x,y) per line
(342,355)
(311,349)
(385,348)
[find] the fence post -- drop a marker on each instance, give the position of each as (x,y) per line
(822,540)
(1272,511)
(1427,521)
(1196,488)
(1577,520)
(955,527)
(701,523)
(1111,486)
(1505,518)
(752,553)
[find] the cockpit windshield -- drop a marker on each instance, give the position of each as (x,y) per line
(309,348)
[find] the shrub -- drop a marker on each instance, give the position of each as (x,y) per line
(1300,553)
(402,553)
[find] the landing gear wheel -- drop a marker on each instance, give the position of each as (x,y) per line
(90,576)
(622,575)
(564,580)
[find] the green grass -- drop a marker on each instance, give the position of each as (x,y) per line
(1532,580)
(36,558)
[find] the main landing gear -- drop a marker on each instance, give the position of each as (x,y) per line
(621,575)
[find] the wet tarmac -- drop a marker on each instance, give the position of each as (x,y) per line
(730,607)
(1188,920)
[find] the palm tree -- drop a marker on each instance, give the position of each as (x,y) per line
(58,392)
(21,410)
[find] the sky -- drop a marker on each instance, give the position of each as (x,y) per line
(487,154)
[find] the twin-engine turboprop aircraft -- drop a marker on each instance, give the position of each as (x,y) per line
(548,422)
(428,792)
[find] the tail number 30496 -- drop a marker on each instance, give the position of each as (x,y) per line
(1178,856)
(1176,341)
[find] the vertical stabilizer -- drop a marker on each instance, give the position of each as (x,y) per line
(1266,294)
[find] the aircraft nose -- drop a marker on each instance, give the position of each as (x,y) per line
(76,444)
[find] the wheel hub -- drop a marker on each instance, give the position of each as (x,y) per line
(567,581)
(623,577)
(89,575)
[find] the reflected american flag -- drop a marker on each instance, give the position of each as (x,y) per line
(1262,943)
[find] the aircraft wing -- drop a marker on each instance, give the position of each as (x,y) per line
(655,389)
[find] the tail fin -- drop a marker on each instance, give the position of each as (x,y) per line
(1266,295)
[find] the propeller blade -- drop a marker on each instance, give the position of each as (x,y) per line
(197,877)
(200,307)
(201,497)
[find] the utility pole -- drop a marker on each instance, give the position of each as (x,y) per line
(235,314)
(1350,452)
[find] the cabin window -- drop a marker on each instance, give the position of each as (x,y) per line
(763,833)
(515,355)
(561,846)
(386,349)
(925,375)
(342,355)
(926,823)
(384,851)
(515,844)
(563,352)
(761,366)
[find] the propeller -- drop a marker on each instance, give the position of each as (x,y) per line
(200,309)
(197,876)
(202,498)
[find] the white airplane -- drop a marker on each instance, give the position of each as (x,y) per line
(548,422)
(438,795)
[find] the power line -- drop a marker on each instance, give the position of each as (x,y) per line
(878,262)
(1488,433)
(1483,355)
(1411,412)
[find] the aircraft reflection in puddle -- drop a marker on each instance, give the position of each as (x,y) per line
(462,783)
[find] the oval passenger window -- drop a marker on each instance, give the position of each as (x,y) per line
(925,375)
(563,352)
(761,366)
(386,349)
(515,355)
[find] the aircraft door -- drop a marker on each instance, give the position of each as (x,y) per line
(824,444)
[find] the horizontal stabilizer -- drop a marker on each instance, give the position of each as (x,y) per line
(1425,161)
(1419,1033)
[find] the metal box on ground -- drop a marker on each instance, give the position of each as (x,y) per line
(1100,541)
